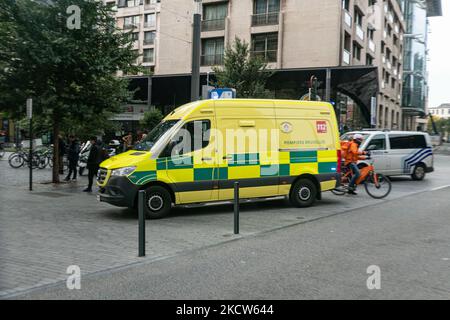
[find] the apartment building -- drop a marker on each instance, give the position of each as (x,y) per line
(291,35)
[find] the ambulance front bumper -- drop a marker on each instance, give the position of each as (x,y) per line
(119,191)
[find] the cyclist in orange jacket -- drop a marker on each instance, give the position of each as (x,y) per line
(351,160)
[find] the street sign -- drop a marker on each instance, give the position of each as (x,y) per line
(222,93)
(29,108)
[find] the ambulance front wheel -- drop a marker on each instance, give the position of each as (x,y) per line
(157,203)
(303,193)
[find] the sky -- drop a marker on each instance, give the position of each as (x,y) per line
(439,64)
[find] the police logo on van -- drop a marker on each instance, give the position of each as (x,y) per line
(286,127)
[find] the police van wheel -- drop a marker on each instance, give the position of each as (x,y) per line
(419,172)
(303,193)
(158,202)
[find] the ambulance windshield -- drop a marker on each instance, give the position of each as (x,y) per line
(148,142)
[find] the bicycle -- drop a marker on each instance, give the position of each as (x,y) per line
(377,185)
(21,157)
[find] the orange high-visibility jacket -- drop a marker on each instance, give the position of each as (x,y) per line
(353,154)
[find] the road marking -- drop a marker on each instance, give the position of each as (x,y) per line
(440,188)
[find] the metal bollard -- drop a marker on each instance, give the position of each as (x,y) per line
(141,203)
(236,208)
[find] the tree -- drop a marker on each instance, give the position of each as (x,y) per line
(151,119)
(70,72)
(243,71)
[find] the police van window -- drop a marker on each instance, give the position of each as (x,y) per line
(379,141)
(407,141)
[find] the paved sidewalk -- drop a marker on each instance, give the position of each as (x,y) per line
(45,231)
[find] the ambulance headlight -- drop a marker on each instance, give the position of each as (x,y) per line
(122,171)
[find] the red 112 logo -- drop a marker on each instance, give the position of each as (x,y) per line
(321,126)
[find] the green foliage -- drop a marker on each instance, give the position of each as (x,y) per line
(442,125)
(71,74)
(151,119)
(243,71)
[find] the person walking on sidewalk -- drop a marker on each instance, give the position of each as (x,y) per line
(73,151)
(93,163)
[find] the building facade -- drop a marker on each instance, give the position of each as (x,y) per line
(288,34)
(442,111)
(415,82)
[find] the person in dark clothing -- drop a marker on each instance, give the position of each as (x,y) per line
(93,163)
(73,151)
(62,152)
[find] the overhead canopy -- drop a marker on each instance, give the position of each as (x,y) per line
(358,83)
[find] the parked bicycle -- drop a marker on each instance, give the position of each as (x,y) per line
(20,158)
(377,185)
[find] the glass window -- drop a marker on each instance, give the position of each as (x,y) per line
(212,51)
(265,46)
(215,11)
(407,141)
(266,6)
(193,136)
(150,20)
(148,55)
(379,141)
(155,135)
(149,37)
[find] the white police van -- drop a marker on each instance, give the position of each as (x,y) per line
(398,152)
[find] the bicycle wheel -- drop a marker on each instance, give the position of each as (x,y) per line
(378,190)
(43,162)
(16,161)
(2,153)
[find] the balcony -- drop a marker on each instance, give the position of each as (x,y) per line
(213,25)
(149,41)
(148,59)
(265,19)
(130,26)
(150,25)
(346,57)
(267,56)
(212,60)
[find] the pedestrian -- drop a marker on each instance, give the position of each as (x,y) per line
(62,152)
(144,135)
(127,141)
(93,163)
(73,151)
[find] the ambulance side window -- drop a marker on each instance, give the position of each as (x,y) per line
(198,141)
(194,135)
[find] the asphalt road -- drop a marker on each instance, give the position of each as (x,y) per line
(55,226)
(407,239)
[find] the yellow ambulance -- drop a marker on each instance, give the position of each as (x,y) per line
(195,155)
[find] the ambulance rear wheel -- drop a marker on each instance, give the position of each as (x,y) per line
(303,193)
(158,202)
